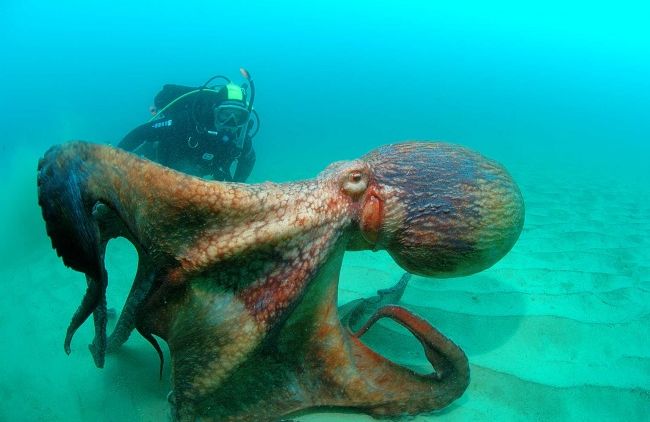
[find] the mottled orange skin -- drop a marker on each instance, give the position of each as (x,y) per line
(241,280)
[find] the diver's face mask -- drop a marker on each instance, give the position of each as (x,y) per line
(231,119)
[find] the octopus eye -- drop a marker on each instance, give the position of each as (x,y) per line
(355,183)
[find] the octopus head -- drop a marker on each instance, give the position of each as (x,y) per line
(440,210)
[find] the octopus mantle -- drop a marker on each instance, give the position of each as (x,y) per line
(241,280)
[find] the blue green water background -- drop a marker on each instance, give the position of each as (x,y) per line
(558,92)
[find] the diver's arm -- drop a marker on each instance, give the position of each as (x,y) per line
(144,139)
(245,162)
(137,137)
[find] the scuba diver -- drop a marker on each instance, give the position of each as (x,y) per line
(201,131)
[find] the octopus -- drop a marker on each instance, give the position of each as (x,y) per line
(241,281)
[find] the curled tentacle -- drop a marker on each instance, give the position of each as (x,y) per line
(390,389)
(447,359)
(76,237)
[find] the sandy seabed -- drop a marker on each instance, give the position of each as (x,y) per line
(558,330)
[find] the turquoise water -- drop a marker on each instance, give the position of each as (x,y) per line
(558,330)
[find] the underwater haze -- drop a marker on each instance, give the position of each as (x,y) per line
(557,92)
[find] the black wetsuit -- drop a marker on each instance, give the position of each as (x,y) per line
(184,139)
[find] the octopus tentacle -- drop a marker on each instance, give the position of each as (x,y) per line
(353,314)
(93,298)
(447,359)
(98,346)
(137,295)
(393,390)
(152,340)
(349,374)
